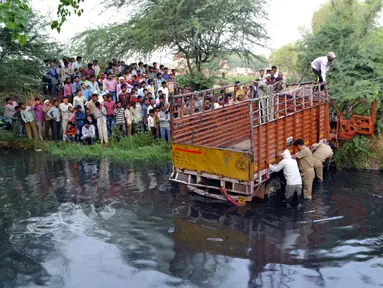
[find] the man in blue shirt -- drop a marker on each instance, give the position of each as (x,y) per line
(86,93)
(166,74)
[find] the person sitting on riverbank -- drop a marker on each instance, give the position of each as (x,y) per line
(88,133)
(70,133)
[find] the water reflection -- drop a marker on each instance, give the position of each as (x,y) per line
(96,223)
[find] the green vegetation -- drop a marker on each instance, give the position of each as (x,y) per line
(286,59)
(141,146)
(347,27)
(197,31)
(15,15)
(22,66)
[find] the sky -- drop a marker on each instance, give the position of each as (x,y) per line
(285,18)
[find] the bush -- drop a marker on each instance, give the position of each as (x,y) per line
(357,153)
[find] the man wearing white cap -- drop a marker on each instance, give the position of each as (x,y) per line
(321,65)
(292,176)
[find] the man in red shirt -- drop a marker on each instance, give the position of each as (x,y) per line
(89,71)
(109,106)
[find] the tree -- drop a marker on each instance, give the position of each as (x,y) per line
(14,14)
(286,58)
(356,73)
(196,30)
(21,66)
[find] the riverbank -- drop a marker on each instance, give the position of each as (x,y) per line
(360,153)
(138,147)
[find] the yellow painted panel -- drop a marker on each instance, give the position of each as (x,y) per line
(231,164)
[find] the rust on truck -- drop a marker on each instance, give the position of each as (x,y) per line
(226,148)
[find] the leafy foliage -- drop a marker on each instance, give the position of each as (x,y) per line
(286,58)
(64,10)
(22,66)
(14,15)
(347,27)
(356,153)
(195,30)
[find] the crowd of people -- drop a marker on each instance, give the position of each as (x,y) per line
(83,103)
(88,102)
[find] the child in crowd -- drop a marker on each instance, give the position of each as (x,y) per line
(70,133)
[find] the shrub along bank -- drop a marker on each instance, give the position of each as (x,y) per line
(141,146)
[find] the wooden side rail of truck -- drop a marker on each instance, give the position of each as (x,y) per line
(220,153)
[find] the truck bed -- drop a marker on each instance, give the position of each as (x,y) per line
(241,146)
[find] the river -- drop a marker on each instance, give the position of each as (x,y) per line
(98,223)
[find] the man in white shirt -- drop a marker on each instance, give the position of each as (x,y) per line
(292,176)
(164,89)
(88,133)
(78,63)
(321,65)
(64,108)
(218,104)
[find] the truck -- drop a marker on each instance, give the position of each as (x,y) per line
(220,150)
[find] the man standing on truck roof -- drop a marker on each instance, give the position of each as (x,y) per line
(321,152)
(321,65)
(293,178)
(306,167)
(265,88)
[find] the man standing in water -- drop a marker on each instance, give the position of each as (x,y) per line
(306,167)
(321,65)
(321,152)
(293,178)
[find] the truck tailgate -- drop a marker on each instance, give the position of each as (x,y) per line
(221,162)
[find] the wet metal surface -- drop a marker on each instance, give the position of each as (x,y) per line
(97,223)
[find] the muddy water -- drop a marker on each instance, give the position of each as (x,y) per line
(97,223)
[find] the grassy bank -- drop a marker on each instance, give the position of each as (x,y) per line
(360,153)
(140,146)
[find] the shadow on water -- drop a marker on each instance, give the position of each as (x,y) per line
(96,223)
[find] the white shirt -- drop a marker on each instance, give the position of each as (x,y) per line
(217,106)
(64,108)
(290,170)
(164,91)
(321,64)
(151,121)
(88,132)
(77,65)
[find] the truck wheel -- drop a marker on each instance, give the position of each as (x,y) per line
(273,187)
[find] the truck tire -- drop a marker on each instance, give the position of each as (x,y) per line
(273,187)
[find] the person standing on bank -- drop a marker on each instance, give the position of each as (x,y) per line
(306,167)
(55,115)
(293,178)
(321,152)
(321,65)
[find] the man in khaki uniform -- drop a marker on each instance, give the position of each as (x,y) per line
(321,152)
(306,167)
